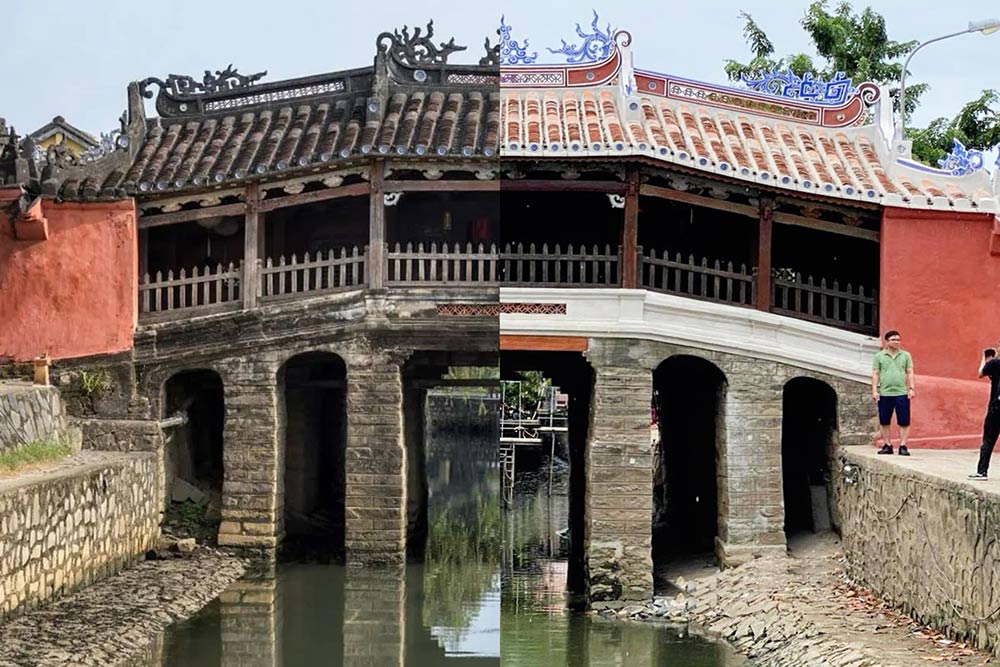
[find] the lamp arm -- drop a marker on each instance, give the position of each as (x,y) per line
(906,64)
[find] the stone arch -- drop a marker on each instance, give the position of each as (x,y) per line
(808,434)
(193,420)
(312,437)
(689,395)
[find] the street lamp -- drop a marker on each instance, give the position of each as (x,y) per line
(985,26)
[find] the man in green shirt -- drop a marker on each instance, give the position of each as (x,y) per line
(892,389)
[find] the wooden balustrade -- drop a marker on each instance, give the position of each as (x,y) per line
(445,265)
(846,308)
(431,265)
(545,266)
(721,281)
(203,289)
(313,274)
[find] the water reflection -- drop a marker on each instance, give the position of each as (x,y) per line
(535,626)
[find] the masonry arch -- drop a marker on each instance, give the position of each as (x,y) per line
(312,426)
(688,404)
(194,416)
(808,428)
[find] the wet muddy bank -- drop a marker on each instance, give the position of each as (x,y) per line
(114,621)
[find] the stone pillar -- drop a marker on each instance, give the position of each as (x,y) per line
(252,498)
(251,625)
(375,504)
(374,618)
(619,477)
(751,502)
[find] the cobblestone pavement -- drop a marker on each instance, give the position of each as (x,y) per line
(801,612)
(116,619)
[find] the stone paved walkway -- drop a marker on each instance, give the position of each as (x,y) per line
(117,619)
(952,464)
(800,612)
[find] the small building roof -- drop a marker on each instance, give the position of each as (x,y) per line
(59,125)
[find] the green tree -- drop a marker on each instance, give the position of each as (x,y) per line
(857,44)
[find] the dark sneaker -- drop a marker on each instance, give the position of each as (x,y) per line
(886,449)
(903,451)
(979,475)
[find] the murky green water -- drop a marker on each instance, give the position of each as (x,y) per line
(491,592)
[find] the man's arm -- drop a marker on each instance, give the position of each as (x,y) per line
(910,388)
(875,384)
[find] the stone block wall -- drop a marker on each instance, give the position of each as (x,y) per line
(619,464)
(29,413)
(94,515)
(748,458)
(924,543)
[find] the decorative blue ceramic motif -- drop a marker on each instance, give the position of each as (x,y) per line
(962,161)
(806,87)
(596,46)
(512,53)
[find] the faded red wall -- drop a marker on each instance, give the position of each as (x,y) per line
(75,293)
(940,288)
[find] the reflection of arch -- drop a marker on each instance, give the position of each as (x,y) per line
(688,394)
(808,424)
(193,451)
(313,434)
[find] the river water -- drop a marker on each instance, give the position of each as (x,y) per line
(491,591)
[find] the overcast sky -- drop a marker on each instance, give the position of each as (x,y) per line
(75,57)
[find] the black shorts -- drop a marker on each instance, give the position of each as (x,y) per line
(888,404)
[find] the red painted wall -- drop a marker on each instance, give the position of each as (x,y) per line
(73,294)
(940,288)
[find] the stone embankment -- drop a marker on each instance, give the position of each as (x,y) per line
(72,523)
(30,413)
(115,621)
(801,612)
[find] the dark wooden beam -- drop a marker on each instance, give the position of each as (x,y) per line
(376,226)
(353,190)
(253,240)
(525,185)
(442,186)
(160,219)
(765,218)
(630,232)
(752,212)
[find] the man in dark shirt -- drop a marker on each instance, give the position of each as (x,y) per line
(989,367)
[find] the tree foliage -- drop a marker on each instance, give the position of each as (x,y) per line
(858,44)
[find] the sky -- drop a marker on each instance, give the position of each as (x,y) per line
(75,57)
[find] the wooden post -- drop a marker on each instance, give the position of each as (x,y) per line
(253,245)
(143,252)
(630,232)
(376,227)
(764,252)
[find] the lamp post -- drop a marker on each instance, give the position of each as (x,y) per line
(986,27)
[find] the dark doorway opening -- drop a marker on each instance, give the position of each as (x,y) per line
(808,423)
(314,434)
(574,376)
(688,400)
(193,465)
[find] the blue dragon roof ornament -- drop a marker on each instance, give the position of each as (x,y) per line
(512,53)
(596,46)
(962,161)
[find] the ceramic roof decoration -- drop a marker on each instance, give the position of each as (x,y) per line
(796,133)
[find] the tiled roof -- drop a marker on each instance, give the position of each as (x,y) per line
(841,162)
(214,148)
(606,109)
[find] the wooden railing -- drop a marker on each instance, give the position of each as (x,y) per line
(718,281)
(445,265)
(207,289)
(203,289)
(846,308)
(313,274)
(545,266)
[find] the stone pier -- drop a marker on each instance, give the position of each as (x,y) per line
(619,477)
(251,624)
